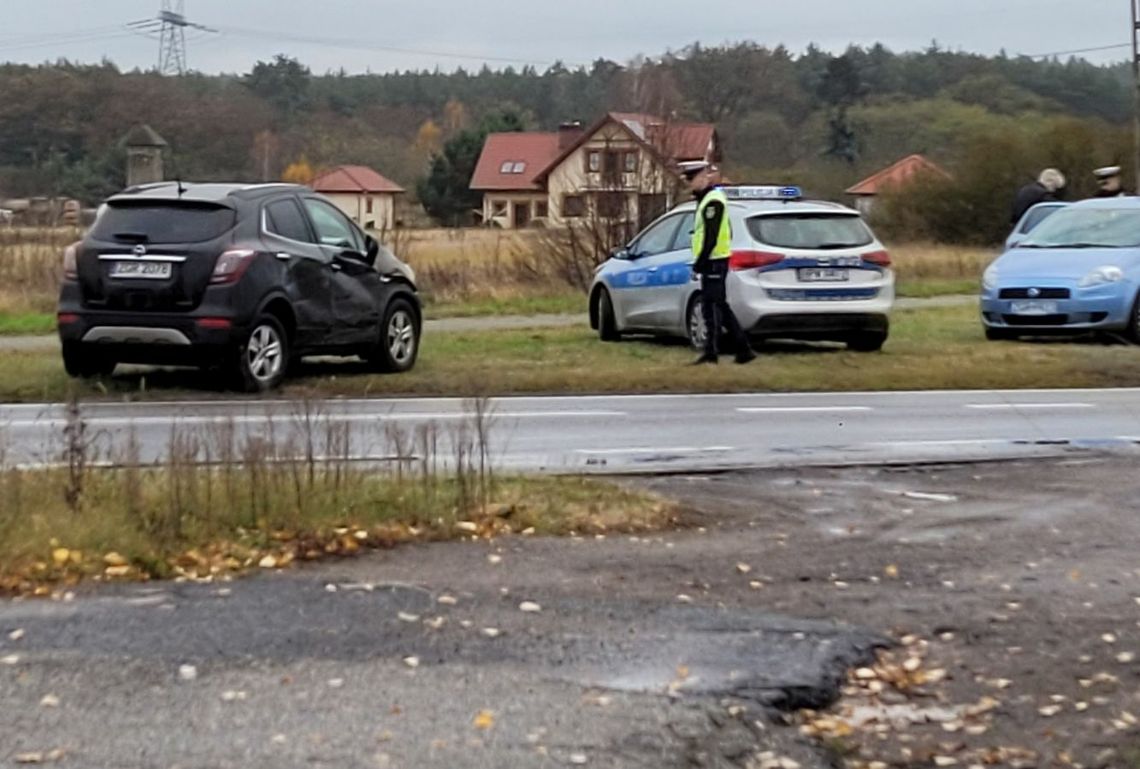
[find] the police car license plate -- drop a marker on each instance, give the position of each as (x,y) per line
(1033,308)
(823,275)
(151,270)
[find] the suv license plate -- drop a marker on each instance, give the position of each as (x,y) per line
(823,275)
(1033,308)
(151,270)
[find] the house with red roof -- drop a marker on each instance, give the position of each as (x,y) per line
(368,198)
(621,167)
(893,176)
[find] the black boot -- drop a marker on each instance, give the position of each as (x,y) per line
(745,356)
(705,358)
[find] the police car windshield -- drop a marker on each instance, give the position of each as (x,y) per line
(1087,228)
(810,231)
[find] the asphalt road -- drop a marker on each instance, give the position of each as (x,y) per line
(625,433)
(660,651)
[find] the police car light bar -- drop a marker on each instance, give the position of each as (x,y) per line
(763,192)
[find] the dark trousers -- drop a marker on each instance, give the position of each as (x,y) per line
(717,313)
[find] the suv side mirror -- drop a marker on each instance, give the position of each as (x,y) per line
(371,250)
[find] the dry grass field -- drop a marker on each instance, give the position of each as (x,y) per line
(461,272)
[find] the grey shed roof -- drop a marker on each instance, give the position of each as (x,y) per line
(143,135)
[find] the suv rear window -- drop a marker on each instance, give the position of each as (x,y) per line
(810,231)
(163,222)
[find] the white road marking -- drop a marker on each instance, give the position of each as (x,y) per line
(319,418)
(1018,406)
(803,409)
(659,450)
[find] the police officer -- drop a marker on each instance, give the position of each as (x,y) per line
(712,246)
(1109,182)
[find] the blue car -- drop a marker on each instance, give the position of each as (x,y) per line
(1077,272)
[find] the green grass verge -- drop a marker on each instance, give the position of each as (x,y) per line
(936,348)
(551,304)
(26,324)
(199,522)
(924,289)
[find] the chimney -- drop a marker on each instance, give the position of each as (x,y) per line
(144,156)
(568,133)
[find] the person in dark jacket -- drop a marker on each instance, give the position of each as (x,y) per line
(712,249)
(1047,187)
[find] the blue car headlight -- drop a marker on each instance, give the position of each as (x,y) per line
(1102,275)
(990,278)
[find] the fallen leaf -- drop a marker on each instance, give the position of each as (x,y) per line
(578,759)
(1049,710)
(117,571)
(529,606)
(412,662)
(494,559)
(234,696)
(187,673)
(1108,638)
(492,632)
(268,562)
(436,622)
(1125,657)
(865,674)
(484,720)
(114,559)
(945,761)
(1081,707)
(447,600)
(38,757)
(406,617)
(49,701)
(16,635)
(60,556)
(756,584)
(912,664)
(11,659)
(336,683)
(743,568)
(685,598)
(466,526)
(892,571)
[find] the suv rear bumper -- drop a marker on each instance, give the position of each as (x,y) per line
(154,338)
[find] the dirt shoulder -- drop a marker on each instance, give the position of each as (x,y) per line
(1017,584)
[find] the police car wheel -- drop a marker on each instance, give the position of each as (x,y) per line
(607,323)
(695,324)
(868,341)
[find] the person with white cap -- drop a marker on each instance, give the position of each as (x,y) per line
(712,247)
(1047,187)
(1109,182)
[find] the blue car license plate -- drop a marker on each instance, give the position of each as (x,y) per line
(1033,308)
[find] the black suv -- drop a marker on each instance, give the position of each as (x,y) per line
(243,278)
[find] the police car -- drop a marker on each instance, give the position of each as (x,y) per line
(800,269)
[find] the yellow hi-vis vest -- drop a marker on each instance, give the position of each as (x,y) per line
(723,247)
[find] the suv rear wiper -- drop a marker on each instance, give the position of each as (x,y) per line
(836,246)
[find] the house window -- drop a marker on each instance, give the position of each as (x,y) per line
(594,161)
(368,206)
(498,208)
(573,206)
(506,167)
(631,162)
(611,205)
(541,209)
(518,168)
(513,167)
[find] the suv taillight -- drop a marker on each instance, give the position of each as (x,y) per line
(747,260)
(880,258)
(231,265)
(71,262)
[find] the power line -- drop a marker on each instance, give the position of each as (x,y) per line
(1075,51)
(365,45)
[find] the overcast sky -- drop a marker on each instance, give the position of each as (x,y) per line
(363,35)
